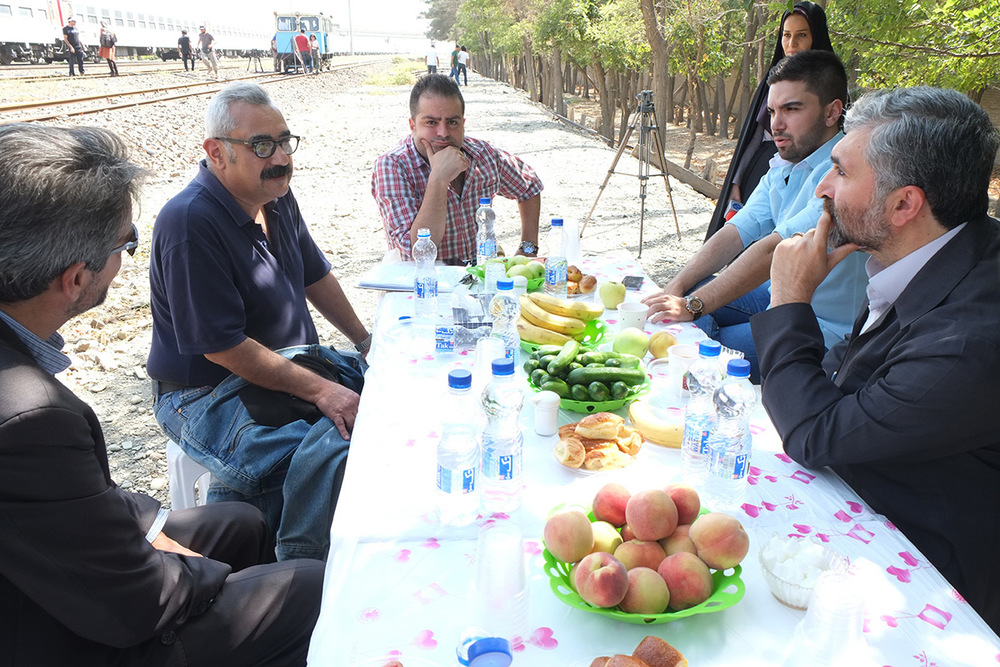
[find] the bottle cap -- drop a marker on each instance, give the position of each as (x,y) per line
(738,368)
(503,366)
(709,348)
(484,201)
(423,232)
(490,652)
(460,379)
(557,222)
(505,284)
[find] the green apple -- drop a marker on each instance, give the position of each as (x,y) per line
(538,268)
(519,259)
(612,294)
(520,270)
(631,341)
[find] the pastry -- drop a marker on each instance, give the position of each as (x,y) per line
(600,426)
(624,661)
(629,441)
(657,653)
(605,457)
(570,452)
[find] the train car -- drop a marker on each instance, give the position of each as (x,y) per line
(289,24)
(31,30)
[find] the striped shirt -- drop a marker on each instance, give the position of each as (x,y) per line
(46,352)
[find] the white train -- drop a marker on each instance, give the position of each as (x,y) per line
(31,30)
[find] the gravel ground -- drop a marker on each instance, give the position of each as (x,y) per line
(347,124)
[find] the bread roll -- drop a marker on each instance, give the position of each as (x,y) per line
(629,441)
(657,653)
(624,661)
(600,662)
(570,452)
(605,457)
(600,426)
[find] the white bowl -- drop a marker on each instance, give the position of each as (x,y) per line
(791,566)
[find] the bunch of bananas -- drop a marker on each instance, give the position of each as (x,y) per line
(549,320)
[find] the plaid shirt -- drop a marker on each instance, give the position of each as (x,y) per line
(400,181)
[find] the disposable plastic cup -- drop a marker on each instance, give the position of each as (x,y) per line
(500,598)
(680,356)
(831,632)
(487,350)
(632,314)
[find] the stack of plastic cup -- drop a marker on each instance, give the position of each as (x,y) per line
(831,632)
(487,351)
(500,599)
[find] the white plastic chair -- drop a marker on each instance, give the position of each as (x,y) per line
(186,475)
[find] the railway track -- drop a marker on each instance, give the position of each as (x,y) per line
(82,105)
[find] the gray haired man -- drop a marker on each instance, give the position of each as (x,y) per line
(905,409)
(91,574)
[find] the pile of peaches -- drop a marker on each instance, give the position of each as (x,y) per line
(646,552)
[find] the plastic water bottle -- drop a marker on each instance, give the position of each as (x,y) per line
(502,443)
(486,236)
(555,262)
(729,446)
(458,454)
(425,279)
(702,379)
(505,309)
(492,272)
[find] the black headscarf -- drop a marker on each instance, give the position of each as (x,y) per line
(751,135)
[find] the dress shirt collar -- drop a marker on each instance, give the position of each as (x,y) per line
(886,283)
(46,352)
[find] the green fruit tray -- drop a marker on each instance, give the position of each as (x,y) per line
(591,407)
(591,337)
(534,284)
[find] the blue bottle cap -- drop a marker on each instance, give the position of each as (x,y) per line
(460,379)
(423,233)
(738,368)
(557,222)
(505,283)
(503,366)
(484,201)
(709,348)
(490,652)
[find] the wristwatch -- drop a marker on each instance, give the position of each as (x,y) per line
(363,346)
(528,248)
(694,305)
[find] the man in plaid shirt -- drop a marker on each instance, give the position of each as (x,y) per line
(435,177)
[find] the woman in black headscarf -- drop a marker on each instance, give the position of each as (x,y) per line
(802,28)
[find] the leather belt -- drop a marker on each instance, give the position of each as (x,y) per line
(160,388)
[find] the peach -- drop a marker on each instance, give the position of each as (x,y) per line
(677,542)
(688,579)
(627,533)
(651,515)
(568,536)
(647,592)
(636,553)
(687,501)
(609,504)
(720,539)
(606,537)
(601,579)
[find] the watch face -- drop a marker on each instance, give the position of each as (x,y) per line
(528,247)
(694,305)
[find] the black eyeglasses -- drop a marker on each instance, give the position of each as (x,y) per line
(130,245)
(264,148)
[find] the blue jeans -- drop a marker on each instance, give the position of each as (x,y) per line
(730,324)
(290,472)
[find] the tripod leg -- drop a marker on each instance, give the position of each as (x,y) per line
(611,170)
(666,182)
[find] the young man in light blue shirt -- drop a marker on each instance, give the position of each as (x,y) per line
(805,102)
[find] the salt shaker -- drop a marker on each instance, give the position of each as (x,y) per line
(546,412)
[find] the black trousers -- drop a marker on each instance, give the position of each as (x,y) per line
(186,57)
(265,612)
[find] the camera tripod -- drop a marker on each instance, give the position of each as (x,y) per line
(645,116)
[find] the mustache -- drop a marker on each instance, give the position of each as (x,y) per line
(279,171)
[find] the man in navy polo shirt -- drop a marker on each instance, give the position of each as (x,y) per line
(231,270)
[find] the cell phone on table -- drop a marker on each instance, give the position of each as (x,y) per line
(632,282)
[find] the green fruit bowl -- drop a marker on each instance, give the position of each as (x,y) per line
(590,407)
(591,337)
(534,284)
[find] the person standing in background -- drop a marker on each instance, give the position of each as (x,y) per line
(431,58)
(463,66)
(72,38)
(107,49)
(206,43)
(454,64)
(184,50)
(314,52)
(302,46)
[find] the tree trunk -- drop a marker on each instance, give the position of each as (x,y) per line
(558,87)
(586,84)
(530,74)
(660,57)
(693,117)
(706,108)
(607,103)
(681,103)
(668,112)
(723,110)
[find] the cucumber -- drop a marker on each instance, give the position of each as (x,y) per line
(596,357)
(547,349)
(566,355)
(530,365)
(545,360)
(578,392)
(558,386)
(630,376)
(594,365)
(539,376)
(599,391)
(628,360)
(612,363)
(619,390)
(573,365)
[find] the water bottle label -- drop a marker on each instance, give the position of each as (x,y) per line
(741,466)
(444,338)
(487,248)
(555,275)
(425,288)
(456,481)
(502,468)
(703,443)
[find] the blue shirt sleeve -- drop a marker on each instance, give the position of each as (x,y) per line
(755,220)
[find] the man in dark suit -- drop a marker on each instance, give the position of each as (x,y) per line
(90,574)
(905,409)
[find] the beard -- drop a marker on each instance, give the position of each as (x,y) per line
(799,149)
(91,297)
(865,228)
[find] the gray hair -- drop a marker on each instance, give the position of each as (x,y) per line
(219,121)
(66,194)
(936,139)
